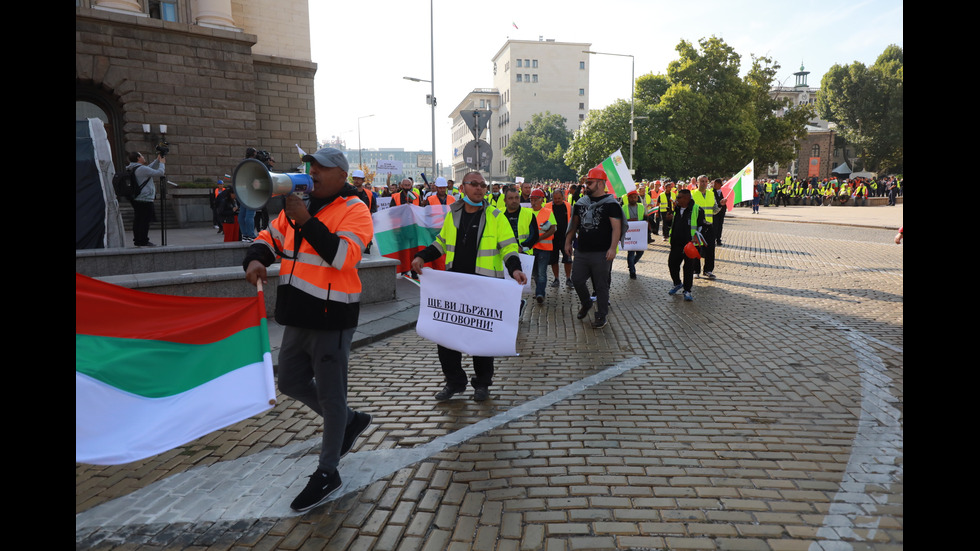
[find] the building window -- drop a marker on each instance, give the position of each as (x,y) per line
(527,77)
(519,76)
(527,62)
(534,63)
(518,62)
(581,116)
(581,91)
(581,106)
(163,9)
(815,152)
(581,65)
(534,78)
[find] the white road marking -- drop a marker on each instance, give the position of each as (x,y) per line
(876,458)
(263,484)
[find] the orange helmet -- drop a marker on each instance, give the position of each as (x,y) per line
(691,251)
(597,173)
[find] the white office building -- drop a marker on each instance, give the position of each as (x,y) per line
(529,77)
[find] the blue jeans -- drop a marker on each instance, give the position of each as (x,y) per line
(541,261)
(632,257)
(246,221)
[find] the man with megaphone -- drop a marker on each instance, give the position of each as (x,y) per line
(318,302)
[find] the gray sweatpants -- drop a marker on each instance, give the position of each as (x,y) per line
(313,370)
(594,266)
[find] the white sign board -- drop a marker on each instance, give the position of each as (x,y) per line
(384,203)
(424,161)
(473,314)
(389,167)
(636,237)
(527,265)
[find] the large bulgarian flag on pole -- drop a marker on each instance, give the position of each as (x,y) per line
(153,372)
(740,187)
(402,231)
(619,182)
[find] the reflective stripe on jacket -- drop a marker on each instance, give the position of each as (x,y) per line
(495,237)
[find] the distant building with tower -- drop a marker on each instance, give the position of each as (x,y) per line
(817,155)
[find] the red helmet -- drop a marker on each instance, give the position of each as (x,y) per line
(596,173)
(691,251)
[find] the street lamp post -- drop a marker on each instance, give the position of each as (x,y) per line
(632,97)
(360,160)
(431,81)
(432,100)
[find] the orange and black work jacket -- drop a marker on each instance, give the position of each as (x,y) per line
(318,283)
(403,197)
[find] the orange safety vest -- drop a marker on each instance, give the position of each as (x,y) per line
(434,200)
(541,217)
(397,198)
(568,210)
(331,280)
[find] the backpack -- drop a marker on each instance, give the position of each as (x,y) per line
(125,185)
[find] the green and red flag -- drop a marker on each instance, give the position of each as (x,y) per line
(619,182)
(153,372)
(740,187)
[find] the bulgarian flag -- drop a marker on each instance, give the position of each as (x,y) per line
(740,187)
(402,231)
(153,372)
(619,182)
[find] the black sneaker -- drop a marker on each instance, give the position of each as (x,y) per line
(317,490)
(584,311)
(481,393)
(448,391)
(354,429)
(600,322)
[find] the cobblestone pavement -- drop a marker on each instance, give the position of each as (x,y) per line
(765,415)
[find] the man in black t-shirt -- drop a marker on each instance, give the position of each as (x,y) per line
(597,222)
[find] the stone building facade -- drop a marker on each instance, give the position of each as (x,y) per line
(219,76)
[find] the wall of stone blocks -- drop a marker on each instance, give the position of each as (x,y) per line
(206,85)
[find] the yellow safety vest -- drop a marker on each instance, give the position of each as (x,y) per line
(496,240)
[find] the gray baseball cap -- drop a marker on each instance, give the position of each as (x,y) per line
(328,157)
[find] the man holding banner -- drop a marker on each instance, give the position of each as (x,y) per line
(633,211)
(476,239)
(705,199)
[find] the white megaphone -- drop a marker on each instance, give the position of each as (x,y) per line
(255,185)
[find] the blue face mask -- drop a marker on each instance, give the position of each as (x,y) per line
(471,203)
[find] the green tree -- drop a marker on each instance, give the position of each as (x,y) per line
(699,117)
(537,151)
(867,105)
(602,132)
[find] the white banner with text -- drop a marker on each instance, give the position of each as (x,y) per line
(635,238)
(473,314)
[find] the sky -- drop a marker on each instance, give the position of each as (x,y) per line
(364,49)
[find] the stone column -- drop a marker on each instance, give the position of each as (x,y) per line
(124,6)
(213,13)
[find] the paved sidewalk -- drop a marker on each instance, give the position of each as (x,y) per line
(766,414)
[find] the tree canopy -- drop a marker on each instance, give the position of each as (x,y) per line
(867,105)
(537,151)
(700,117)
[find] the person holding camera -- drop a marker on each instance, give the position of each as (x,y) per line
(143,213)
